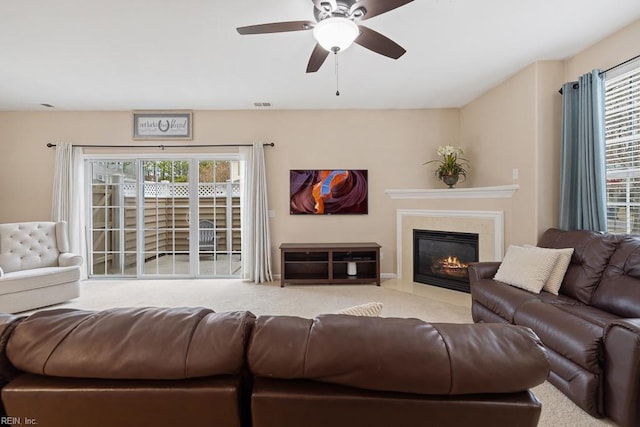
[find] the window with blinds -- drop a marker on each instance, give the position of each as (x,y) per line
(622,136)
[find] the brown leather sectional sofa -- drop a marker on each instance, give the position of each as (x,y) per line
(194,367)
(591,329)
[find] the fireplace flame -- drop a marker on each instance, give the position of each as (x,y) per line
(453,262)
(450,265)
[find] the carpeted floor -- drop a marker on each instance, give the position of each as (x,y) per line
(424,302)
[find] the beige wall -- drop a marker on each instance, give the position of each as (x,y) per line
(499,131)
(391,144)
(548,121)
(517,125)
(605,54)
(514,125)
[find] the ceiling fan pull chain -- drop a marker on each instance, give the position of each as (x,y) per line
(337,86)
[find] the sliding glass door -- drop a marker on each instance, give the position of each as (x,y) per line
(165,233)
(219,218)
(176,217)
(112,220)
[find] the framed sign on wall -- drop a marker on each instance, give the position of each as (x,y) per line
(162,125)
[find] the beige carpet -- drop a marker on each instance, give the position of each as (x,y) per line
(424,302)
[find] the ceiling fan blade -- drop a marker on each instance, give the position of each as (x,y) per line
(276,27)
(377,7)
(317,58)
(378,43)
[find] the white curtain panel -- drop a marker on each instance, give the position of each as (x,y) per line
(68,201)
(256,239)
(62,183)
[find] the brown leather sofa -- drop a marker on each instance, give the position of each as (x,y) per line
(591,329)
(190,366)
(126,367)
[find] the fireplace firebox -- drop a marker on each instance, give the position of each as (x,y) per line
(441,258)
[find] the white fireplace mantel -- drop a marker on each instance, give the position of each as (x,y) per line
(497,192)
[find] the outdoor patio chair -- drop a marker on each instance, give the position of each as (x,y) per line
(207,241)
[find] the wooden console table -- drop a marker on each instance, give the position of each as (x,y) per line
(329,263)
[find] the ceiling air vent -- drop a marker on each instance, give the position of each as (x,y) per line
(261,104)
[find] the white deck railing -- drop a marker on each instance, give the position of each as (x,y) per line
(181,189)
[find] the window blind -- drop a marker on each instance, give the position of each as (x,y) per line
(622,139)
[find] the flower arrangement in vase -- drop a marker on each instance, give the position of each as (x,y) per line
(451,166)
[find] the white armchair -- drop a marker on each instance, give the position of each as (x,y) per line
(36,267)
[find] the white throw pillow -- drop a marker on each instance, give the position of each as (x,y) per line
(526,268)
(370,309)
(557,274)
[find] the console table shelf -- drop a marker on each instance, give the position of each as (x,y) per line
(329,263)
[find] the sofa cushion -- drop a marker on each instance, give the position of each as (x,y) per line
(24,280)
(575,338)
(500,298)
(592,251)
(590,314)
(124,343)
(404,355)
(28,245)
(557,299)
(619,289)
(526,268)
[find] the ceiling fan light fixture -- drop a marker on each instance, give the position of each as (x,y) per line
(336,33)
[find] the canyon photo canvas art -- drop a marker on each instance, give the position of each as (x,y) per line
(328,192)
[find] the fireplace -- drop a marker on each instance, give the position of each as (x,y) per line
(441,258)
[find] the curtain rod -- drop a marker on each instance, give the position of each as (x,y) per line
(609,69)
(162,147)
(575,86)
(620,64)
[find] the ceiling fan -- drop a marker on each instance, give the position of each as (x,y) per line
(337,26)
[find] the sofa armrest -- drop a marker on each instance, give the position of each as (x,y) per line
(68,259)
(482,270)
(622,371)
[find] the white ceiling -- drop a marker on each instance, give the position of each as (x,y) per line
(160,54)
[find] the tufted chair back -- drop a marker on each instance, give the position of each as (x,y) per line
(28,245)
